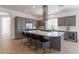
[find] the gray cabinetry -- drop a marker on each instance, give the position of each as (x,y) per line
(71,36)
(67,21)
(72,20)
(23,24)
(66,35)
(20,26)
(17,28)
(58,43)
(61,21)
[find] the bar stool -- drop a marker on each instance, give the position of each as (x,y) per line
(28,41)
(34,42)
(43,40)
(24,35)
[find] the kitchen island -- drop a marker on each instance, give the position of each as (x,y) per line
(57,38)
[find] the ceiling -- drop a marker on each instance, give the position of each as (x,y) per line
(37,9)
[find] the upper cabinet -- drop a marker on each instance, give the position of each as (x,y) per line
(67,21)
(61,21)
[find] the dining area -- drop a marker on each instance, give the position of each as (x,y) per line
(37,39)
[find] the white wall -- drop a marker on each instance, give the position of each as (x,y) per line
(12,15)
(0,25)
(17,13)
(69,13)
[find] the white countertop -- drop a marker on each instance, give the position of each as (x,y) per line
(65,30)
(44,33)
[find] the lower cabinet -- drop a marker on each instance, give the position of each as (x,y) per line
(71,36)
(66,35)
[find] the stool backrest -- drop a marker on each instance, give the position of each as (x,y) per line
(42,39)
(23,34)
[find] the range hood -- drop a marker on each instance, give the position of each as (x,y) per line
(45,14)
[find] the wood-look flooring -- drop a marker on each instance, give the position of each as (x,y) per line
(9,46)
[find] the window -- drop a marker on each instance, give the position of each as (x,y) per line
(5,25)
(30,26)
(52,24)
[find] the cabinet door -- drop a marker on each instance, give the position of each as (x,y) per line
(72,35)
(23,24)
(66,21)
(66,35)
(71,20)
(17,28)
(61,21)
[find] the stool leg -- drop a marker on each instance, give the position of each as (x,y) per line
(25,42)
(44,49)
(30,42)
(35,50)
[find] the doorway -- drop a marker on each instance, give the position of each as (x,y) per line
(5,25)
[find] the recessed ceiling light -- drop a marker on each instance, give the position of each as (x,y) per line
(34,7)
